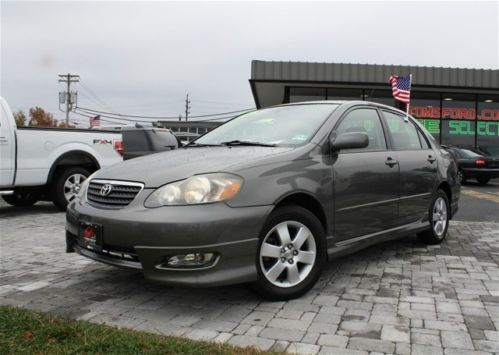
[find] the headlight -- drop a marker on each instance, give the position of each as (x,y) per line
(196,190)
(82,192)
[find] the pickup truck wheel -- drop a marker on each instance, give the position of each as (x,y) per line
(67,184)
(21,198)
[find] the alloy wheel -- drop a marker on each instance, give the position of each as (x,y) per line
(460,176)
(288,254)
(72,186)
(439,216)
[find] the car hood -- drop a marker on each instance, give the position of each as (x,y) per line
(161,168)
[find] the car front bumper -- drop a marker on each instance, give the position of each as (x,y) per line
(140,238)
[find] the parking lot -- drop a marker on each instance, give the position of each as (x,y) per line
(399,297)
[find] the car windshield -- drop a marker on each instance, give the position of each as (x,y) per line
(285,125)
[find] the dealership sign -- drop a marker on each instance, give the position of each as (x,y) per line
(483,128)
(454,113)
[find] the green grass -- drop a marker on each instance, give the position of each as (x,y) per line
(28,332)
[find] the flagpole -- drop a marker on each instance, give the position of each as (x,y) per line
(409,102)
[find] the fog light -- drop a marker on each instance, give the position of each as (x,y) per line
(193,260)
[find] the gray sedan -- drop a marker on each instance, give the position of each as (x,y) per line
(268,198)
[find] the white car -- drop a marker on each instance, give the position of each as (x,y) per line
(50,163)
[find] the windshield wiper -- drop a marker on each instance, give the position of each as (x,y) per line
(247,143)
(194,144)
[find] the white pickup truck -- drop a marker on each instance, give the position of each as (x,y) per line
(50,163)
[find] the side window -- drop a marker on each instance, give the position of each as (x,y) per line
(366,121)
(423,140)
(404,134)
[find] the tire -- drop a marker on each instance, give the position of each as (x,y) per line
(65,185)
(438,228)
(21,198)
(482,180)
(460,177)
(306,260)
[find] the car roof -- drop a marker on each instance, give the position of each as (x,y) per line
(347,103)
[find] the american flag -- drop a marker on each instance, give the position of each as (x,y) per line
(94,121)
(401,87)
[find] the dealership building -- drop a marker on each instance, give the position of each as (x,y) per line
(457,106)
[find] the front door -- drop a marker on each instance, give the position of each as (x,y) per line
(418,167)
(7,146)
(366,181)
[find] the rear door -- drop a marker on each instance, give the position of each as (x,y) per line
(418,166)
(366,183)
(7,146)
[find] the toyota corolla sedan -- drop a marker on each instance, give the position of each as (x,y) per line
(268,198)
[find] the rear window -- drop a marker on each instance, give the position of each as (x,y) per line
(469,154)
(162,139)
(135,141)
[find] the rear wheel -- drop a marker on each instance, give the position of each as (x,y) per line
(21,198)
(291,253)
(439,214)
(460,177)
(67,184)
(483,180)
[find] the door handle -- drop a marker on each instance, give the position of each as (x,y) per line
(391,162)
(431,159)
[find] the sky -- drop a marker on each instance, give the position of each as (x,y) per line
(142,58)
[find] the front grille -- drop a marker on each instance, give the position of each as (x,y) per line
(121,193)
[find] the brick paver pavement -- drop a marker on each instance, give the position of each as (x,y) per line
(398,297)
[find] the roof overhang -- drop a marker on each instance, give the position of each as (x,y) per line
(269,80)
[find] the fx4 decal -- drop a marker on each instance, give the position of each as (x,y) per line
(103,141)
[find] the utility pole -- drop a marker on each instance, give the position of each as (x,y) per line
(69,98)
(187,107)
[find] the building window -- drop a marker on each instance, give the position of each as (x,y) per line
(306,94)
(488,124)
(344,94)
(458,133)
(425,106)
(380,96)
(458,107)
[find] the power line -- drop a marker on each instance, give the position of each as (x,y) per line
(92,114)
(88,116)
(161,117)
(92,93)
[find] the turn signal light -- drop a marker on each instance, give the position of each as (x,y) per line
(480,162)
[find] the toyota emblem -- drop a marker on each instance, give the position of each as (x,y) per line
(106,189)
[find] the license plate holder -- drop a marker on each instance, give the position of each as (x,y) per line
(90,236)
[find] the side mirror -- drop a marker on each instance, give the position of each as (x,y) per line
(350,141)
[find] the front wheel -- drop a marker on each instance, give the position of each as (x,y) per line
(291,253)
(439,215)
